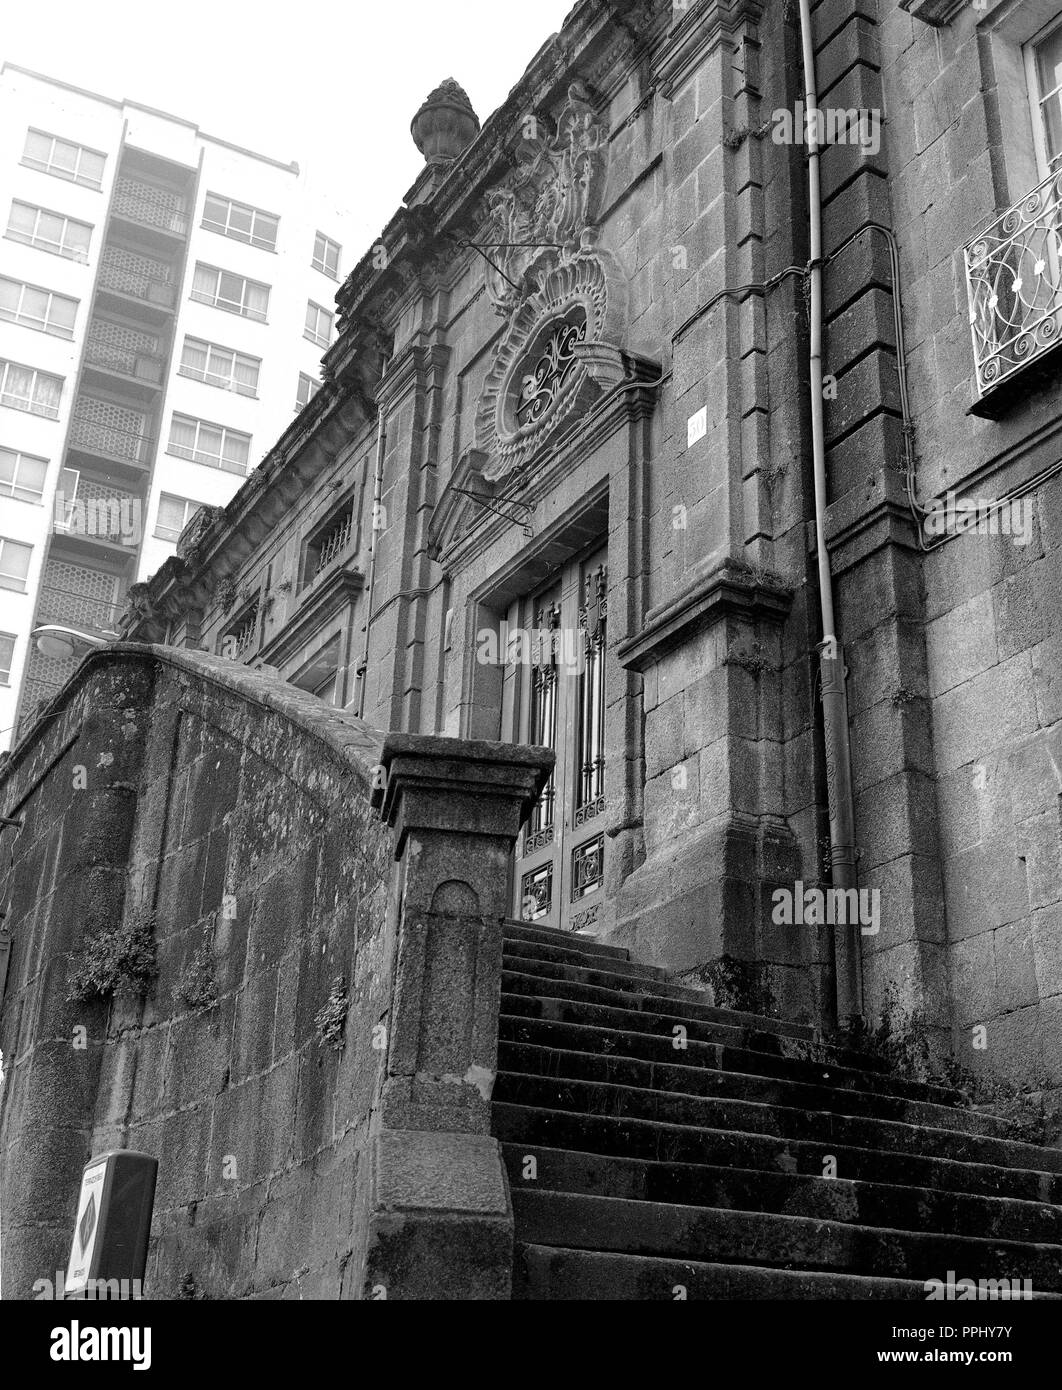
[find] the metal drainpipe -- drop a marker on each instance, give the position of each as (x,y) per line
(846,937)
(377,493)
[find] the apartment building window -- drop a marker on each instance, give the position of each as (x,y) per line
(24,388)
(22,475)
(326,255)
(49,231)
(223,290)
(308,388)
(220,366)
(64,159)
(14,564)
(214,445)
(174,515)
(1043,64)
(318,325)
(7,656)
(37,308)
(241,221)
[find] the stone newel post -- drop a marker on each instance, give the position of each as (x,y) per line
(439,1219)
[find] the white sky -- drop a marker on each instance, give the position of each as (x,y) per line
(333,84)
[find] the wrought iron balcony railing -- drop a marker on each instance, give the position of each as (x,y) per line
(1014,283)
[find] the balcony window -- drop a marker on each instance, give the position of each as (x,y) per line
(232,292)
(7,656)
(326,255)
(318,325)
(1014,266)
(1043,65)
(308,388)
(214,445)
(22,476)
(24,388)
(37,308)
(49,231)
(220,366)
(64,159)
(174,515)
(14,564)
(241,221)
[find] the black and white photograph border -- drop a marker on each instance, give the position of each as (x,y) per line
(531,660)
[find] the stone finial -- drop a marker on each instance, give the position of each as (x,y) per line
(446,124)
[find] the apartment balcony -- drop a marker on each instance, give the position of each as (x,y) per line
(94,518)
(136,285)
(147,207)
(72,609)
(130,358)
(1014,285)
(111,443)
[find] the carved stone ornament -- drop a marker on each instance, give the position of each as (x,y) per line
(560,292)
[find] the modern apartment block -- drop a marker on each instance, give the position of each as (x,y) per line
(165,300)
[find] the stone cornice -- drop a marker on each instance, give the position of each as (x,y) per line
(724,590)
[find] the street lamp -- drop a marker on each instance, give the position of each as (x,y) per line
(62,643)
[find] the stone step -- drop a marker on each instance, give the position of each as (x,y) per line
(821,1127)
(521,998)
(565,955)
(670,1143)
(545,1272)
(610,985)
(743,1189)
(652,1047)
(524,931)
(668,1076)
(768,1240)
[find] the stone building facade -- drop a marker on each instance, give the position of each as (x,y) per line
(626,226)
(558,488)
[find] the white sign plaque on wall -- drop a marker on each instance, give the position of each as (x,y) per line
(113,1221)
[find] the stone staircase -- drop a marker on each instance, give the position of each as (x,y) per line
(667,1173)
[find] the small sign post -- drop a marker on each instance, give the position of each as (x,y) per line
(112,1225)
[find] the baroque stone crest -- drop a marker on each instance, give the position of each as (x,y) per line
(547,276)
